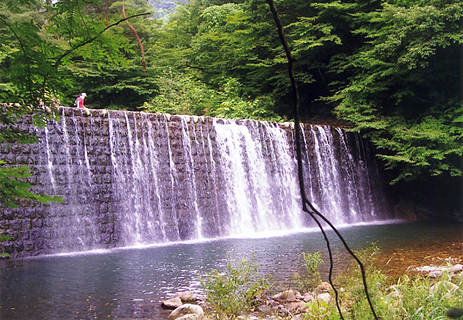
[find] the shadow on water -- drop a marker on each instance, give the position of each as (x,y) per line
(129,283)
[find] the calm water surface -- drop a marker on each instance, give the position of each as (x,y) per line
(129,283)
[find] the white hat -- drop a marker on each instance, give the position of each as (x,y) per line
(83,94)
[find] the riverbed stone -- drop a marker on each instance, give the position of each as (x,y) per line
(171,303)
(456,268)
(323,288)
(296,306)
(187,312)
(287,296)
(437,271)
(308,297)
(325,297)
(187,296)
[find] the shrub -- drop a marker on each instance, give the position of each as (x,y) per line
(312,261)
(408,297)
(236,290)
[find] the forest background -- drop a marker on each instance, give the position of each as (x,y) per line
(391,70)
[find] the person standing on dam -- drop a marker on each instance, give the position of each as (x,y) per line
(79,103)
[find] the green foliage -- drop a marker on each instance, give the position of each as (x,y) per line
(179,94)
(405,298)
(425,144)
(236,290)
(236,105)
(114,87)
(13,186)
(403,86)
(312,261)
(3,238)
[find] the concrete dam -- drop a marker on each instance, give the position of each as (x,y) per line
(133,178)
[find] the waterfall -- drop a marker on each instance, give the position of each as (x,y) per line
(260,175)
(130,178)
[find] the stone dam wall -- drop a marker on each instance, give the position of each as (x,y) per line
(131,178)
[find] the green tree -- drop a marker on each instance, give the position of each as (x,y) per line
(216,44)
(403,88)
(113,86)
(112,69)
(37,44)
(27,83)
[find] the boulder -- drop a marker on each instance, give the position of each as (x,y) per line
(187,312)
(434,272)
(265,309)
(325,297)
(308,297)
(287,296)
(323,288)
(296,307)
(456,268)
(171,303)
(187,297)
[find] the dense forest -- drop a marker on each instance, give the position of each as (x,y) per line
(388,69)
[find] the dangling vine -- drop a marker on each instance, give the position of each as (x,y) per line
(306,204)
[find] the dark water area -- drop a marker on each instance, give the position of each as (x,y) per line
(129,283)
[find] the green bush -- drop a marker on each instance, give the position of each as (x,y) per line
(4,237)
(236,290)
(312,261)
(408,297)
(183,94)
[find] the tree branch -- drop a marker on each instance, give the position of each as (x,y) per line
(23,49)
(67,52)
(306,204)
(140,44)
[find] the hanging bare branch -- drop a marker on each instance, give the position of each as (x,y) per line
(140,44)
(306,204)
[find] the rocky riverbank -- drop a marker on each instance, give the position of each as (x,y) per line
(283,305)
(292,304)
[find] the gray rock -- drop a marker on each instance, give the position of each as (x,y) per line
(308,296)
(187,312)
(296,307)
(171,303)
(287,296)
(325,297)
(187,297)
(456,268)
(323,288)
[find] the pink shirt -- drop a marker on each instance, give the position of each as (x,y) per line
(80,102)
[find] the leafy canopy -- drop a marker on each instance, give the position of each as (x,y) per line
(389,68)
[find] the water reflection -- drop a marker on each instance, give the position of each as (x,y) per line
(129,283)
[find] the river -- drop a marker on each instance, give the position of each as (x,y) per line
(130,282)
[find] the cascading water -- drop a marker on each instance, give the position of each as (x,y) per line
(261,185)
(135,178)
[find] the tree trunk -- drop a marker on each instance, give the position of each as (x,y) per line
(140,44)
